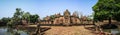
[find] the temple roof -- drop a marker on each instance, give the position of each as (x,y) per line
(66,12)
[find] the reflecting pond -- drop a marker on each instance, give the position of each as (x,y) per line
(10,31)
(113,31)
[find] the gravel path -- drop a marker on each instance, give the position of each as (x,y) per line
(72,30)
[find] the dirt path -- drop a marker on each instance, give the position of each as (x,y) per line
(72,30)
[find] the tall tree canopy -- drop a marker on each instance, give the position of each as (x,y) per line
(20,15)
(4,21)
(26,16)
(107,9)
(30,18)
(16,19)
(34,18)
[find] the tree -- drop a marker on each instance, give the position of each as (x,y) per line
(26,16)
(16,19)
(34,18)
(18,13)
(52,17)
(18,16)
(107,10)
(5,20)
(30,18)
(11,23)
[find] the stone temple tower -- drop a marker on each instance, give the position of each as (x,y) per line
(67,17)
(66,13)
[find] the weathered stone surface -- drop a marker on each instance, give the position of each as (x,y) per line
(64,19)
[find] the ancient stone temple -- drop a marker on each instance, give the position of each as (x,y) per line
(65,19)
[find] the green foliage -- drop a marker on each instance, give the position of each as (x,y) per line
(26,16)
(89,17)
(52,17)
(11,23)
(17,18)
(105,9)
(19,15)
(4,21)
(30,18)
(34,18)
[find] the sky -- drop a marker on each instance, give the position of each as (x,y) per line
(46,7)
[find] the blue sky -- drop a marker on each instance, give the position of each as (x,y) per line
(46,7)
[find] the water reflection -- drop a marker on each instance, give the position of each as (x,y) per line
(11,31)
(113,31)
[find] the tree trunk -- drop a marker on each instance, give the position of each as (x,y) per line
(110,25)
(109,20)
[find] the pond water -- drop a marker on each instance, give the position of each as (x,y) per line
(113,31)
(10,31)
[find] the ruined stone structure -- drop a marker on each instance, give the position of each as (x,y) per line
(65,19)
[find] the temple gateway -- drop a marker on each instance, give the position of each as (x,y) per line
(65,19)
